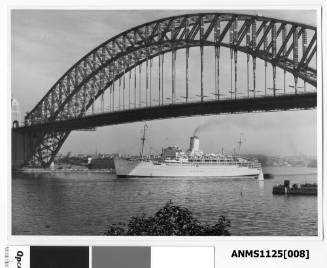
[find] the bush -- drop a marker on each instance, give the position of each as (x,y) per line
(170,220)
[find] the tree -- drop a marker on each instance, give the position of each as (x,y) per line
(170,220)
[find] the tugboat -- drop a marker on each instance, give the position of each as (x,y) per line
(295,189)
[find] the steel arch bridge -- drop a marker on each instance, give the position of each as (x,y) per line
(286,45)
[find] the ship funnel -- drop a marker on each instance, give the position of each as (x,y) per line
(194,144)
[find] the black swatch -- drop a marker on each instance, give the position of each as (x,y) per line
(59,257)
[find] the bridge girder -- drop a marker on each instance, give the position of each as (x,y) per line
(274,41)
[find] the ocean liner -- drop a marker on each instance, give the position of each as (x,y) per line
(174,162)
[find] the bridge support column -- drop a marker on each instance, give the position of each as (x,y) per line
(140,84)
(254,44)
(265,45)
(187,55)
(247,76)
(186,75)
(254,74)
(265,78)
(102,102)
(231,73)
(284,52)
(284,82)
(173,78)
(162,78)
(113,96)
(146,81)
(201,53)
(135,81)
(304,50)
(129,89)
(159,80)
(119,98)
(274,80)
(217,57)
(150,82)
(217,52)
(124,85)
(235,73)
(110,104)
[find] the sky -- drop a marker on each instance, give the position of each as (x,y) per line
(45,43)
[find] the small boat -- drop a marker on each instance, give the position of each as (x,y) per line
(295,189)
(267,176)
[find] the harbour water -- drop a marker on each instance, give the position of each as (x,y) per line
(84,203)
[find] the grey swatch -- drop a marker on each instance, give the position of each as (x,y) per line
(121,257)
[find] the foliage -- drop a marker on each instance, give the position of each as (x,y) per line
(170,220)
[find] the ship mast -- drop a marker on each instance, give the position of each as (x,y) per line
(239,144)
(143,139)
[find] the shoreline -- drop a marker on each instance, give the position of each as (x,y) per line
(66,170)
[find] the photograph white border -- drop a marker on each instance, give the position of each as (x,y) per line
(112,240)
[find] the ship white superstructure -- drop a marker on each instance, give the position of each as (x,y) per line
(174,162)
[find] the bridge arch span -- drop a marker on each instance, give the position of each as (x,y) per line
(111,59)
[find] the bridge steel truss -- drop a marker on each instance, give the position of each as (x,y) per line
(288,45)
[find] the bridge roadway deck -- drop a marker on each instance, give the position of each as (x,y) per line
(244,105)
